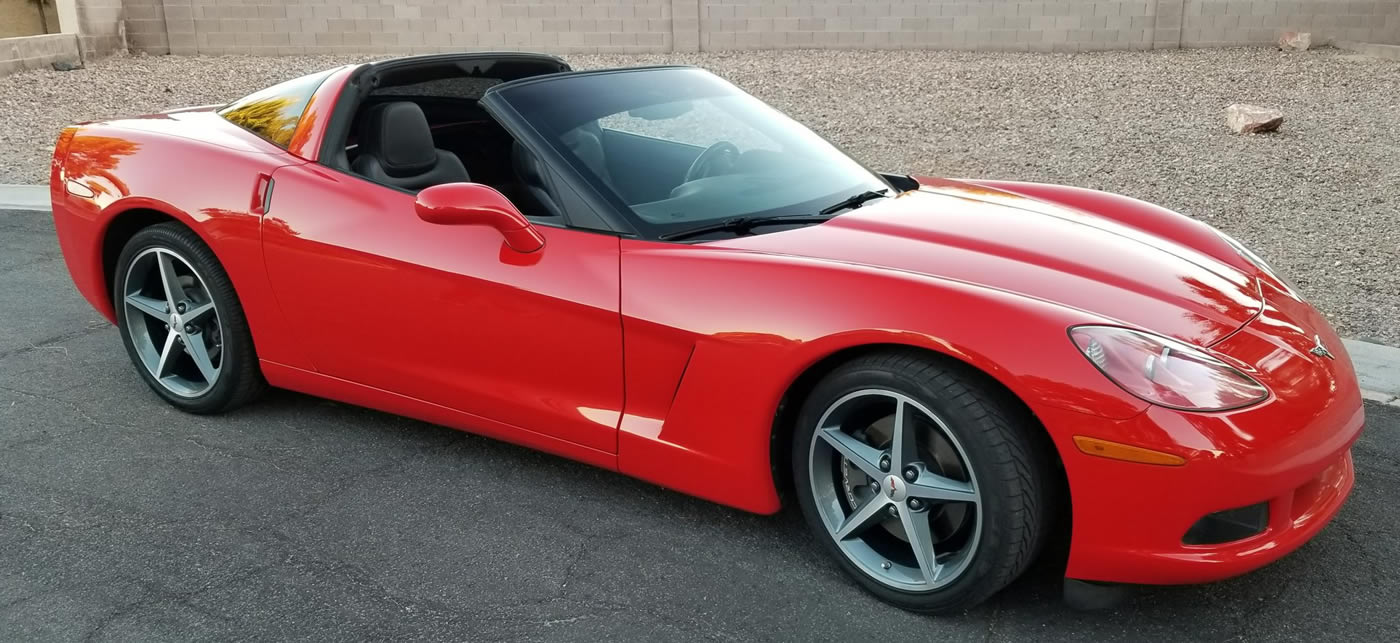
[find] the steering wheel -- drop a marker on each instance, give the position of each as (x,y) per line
(715,160)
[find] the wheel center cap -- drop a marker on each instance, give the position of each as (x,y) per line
(175,320)
(894,488)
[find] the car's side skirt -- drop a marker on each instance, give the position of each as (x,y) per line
(319,385)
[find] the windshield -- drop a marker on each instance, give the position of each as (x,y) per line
(679,147)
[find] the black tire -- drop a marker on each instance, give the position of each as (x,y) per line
(240,380)
(1005,449)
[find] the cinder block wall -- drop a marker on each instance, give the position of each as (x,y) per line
(987,24)
(1217,23)
(101,26)
(36,52)
(145,26)
(1046,25)
(346,26)
(415,26)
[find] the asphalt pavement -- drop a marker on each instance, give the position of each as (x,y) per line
(299,518)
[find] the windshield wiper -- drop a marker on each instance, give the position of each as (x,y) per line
(854,201)
(741,225)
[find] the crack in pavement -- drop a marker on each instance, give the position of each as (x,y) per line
(77,408)
(92,504)
(152,590)
(1347,531)
(233,453)
(222,450)
(48,257)
(49,343)
(25,599)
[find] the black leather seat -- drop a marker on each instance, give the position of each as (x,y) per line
(396,148)
(586,142)
(530,172)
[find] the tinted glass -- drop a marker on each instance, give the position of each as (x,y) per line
(458,87)
(637,134)
(273,113)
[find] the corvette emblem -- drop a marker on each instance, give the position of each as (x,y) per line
(1319,350)
(894,488)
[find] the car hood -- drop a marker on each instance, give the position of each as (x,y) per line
(1038,249)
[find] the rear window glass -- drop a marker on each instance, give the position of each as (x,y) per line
(273,113)
(461,87)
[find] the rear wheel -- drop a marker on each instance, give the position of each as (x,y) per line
(922,479)
(181,322)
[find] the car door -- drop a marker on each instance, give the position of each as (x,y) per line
(449,314)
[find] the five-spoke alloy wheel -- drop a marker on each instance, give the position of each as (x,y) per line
(900,501)
(923,477)
(173,322)
(182,323)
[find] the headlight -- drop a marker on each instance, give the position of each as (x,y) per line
(1166,372)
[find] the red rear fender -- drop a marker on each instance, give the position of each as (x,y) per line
(113,175)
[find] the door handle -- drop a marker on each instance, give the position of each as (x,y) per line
(262,194)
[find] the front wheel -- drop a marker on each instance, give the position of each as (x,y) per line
(182,323)
(922,478)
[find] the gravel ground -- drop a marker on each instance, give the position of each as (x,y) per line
(1318,199)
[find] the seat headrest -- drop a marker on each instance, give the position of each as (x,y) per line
(588,147)
(398,134)
(527,167)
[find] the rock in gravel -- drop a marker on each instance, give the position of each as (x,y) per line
(1294,41)
(64,65)
(1252,119)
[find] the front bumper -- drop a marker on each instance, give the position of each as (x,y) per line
(1129,519)
(1291,451)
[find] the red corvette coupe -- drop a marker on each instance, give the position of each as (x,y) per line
(651,271)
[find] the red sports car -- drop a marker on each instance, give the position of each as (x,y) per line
(651,271)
